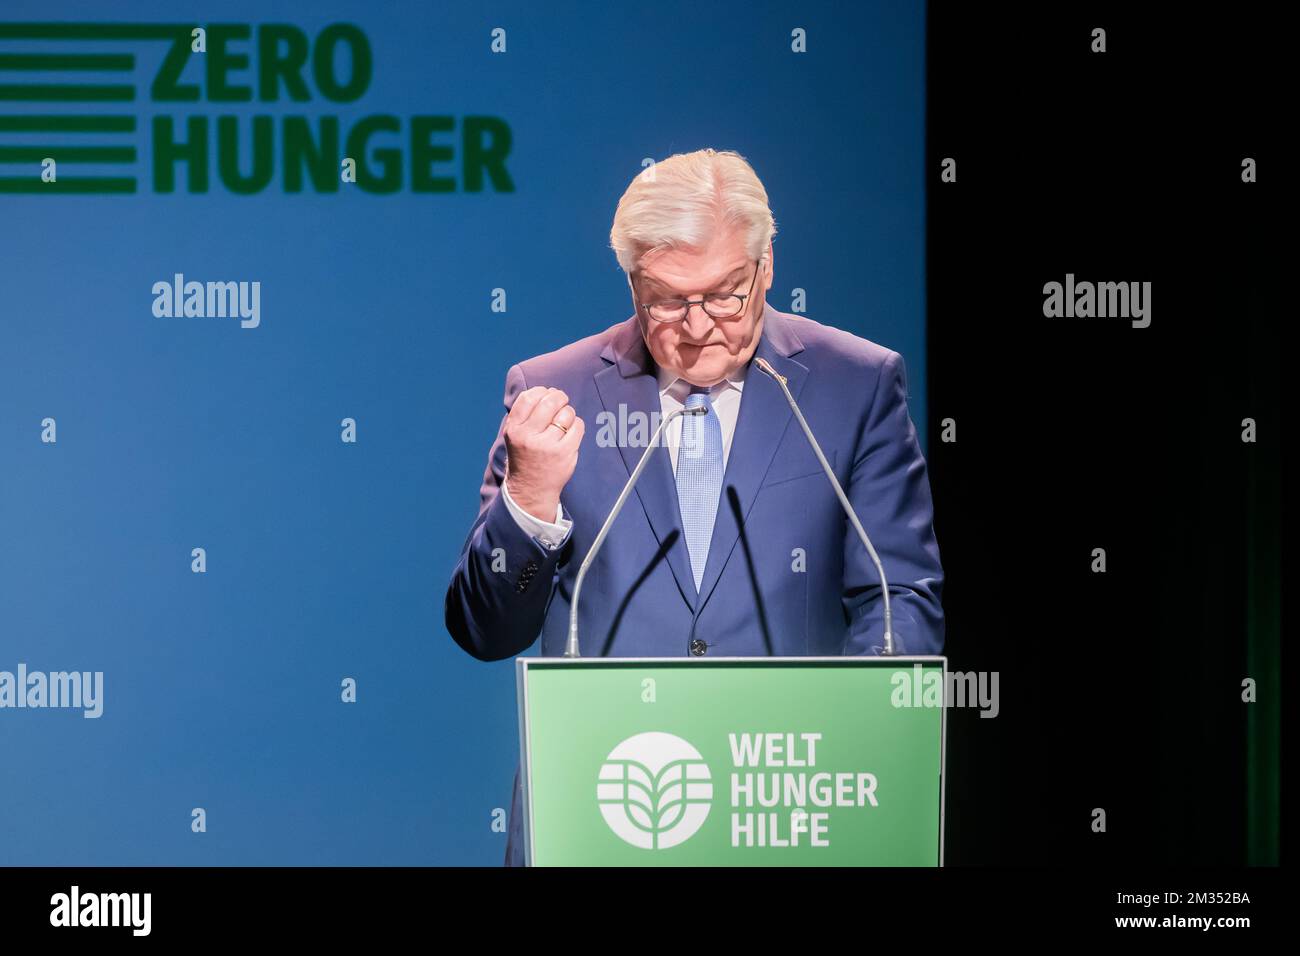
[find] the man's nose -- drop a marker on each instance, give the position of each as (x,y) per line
(698,323)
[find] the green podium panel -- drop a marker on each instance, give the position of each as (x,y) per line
(768,761)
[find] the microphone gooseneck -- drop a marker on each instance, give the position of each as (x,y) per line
(571,647)
(888,648)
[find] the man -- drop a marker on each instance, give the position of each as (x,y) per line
(734,543)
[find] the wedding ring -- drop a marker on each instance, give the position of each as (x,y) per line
(560,427)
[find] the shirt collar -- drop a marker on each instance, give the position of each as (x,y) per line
(680,388)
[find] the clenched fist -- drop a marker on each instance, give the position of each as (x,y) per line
(542,435)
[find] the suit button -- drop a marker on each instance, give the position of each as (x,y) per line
(698,647)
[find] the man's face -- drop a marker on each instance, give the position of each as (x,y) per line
(701,349)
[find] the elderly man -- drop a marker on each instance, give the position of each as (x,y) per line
(734,543)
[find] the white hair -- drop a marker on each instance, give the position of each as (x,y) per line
(686,200)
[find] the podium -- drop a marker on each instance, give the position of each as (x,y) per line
(763,761)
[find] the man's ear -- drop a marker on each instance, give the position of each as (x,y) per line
(636,307)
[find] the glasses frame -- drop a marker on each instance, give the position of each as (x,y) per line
(744,302)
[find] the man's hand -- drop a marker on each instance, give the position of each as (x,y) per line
(542,435)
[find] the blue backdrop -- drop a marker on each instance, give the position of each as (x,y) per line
(326,559)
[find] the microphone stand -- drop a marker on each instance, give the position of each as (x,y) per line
(571,647)
(888,649)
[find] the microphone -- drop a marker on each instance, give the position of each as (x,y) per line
(571,647)
(888,649)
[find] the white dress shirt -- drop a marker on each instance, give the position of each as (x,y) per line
(724,396)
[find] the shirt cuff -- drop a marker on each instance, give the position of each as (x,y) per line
(550,534)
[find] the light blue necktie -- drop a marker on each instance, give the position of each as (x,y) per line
(699,478)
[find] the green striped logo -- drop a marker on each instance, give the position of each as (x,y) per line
(102,108)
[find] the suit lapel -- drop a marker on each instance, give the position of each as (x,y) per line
(630,381)
(763,420)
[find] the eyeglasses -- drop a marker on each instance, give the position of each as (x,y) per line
(718,305)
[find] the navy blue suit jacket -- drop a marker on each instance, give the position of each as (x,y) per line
(786,575)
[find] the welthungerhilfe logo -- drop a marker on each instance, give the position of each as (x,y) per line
(120,108)
(654,790)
